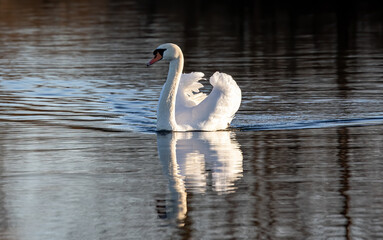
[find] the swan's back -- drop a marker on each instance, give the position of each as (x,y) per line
(196,110)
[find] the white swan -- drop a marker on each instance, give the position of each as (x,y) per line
(182,107)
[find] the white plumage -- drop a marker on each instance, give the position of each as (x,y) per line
(182,107)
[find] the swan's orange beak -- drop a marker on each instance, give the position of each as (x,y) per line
(156,58)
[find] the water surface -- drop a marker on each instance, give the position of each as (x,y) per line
(80,158)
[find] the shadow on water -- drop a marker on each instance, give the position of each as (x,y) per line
(196,162)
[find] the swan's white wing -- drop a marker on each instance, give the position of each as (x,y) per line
(188,94)
(216,110)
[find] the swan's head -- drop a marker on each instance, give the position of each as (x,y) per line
(167,51)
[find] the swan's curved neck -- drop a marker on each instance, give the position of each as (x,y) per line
(166,119)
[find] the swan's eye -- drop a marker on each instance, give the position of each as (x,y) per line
(160,51)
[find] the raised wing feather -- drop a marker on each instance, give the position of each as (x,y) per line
(188,94)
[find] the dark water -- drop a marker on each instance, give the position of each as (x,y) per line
(80,158)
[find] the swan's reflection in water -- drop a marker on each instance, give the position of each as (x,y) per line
(197,162)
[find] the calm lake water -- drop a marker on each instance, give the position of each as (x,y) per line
(80,158)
